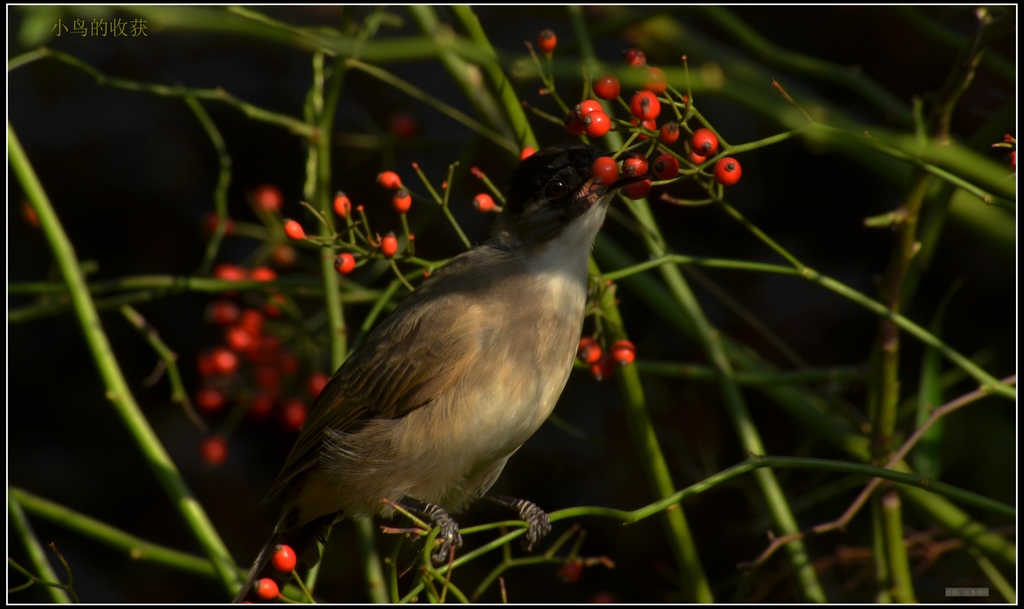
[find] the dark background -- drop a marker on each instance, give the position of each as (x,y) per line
(131,174)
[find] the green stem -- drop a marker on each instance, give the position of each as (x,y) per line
(901,581)
(370,560)
(220,192)
(807,65)
(997,64)
(219,95)
(812,411)
(117,388)
(924,159)
(988,382)
(747,432)
(507,96)
(652,458)
(170,361)
(154,287)
(909,481)
(460,70)
(880,555)
(135,547)
(1004,587)
(697,372)
(423,96)
(691,569)
(19,525)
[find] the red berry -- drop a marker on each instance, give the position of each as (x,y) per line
(586,107)
(266,589)
(294,230)
(649,125)
(266,351)
(728,171)
(389,179)
(665,167)
(607,87)
(222,312)
(527,152)
(210,399)
(634,57)
(623,352)
(605,169)
(223,361)
(634,166)
(403,125)
(704,142)
(263,273)
(573,123)
(268,378)
(571,571)
(239,338)
(289,363)
(342,205)
(483,202)
(210,222)
(316,383)
(589,351)
(597,124)
(546,41)
(389,245)
(229,272)
(252,320)
(293,415)
(29,214)
(214,450)
(669,133)
(402,201)
(284,255)
(273,305)
(637,190)
(656,82)
(284,558)
(206,365)
(603,368)
(262,404)
(267,197)
(645,105)
(696,159)
(345,263)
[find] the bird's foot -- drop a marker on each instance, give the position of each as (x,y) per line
(537,519)
(449,538)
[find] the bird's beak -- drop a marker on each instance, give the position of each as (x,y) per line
(621,182)
(593,190)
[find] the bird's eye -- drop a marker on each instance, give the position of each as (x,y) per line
(555,189)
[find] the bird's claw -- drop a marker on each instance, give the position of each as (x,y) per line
(450,539)
(539,525)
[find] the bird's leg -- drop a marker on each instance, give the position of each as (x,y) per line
(450,535)
(540,524)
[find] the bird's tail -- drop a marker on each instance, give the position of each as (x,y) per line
(303,540)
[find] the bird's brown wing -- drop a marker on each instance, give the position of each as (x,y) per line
(420,351)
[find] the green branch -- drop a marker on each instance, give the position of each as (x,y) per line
(117,388)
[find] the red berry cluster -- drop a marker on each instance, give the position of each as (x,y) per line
(250,369)
(603,363)
(283,560)
(646,108)
(265,199)
(1010,143)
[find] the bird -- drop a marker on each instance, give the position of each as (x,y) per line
(426,412)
